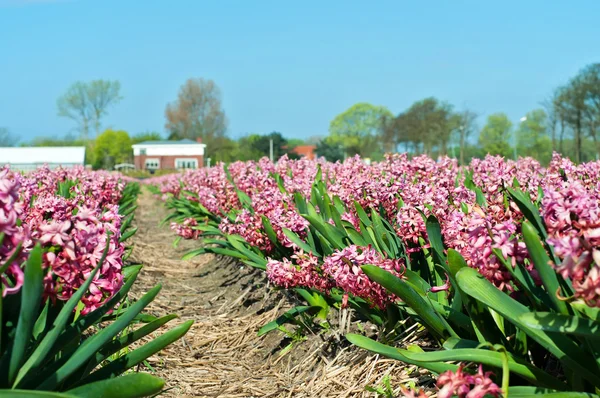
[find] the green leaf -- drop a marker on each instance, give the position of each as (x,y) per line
(315,299)
(395,353)
(490,358)
(127,235)
(528,209)
(133,385)
(138,355)
(31,298)
(572,357)
(97,341)
(541,262)
(42,350)
(429,317)
(269,230)
(33,394)
(287,317)
(564,324)
(298,242)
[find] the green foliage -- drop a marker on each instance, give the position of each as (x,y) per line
(52,348)
(146,136)
(111,148)
(358,128)
(494,138)
(330,151)
(532,138)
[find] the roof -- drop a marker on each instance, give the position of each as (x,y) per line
(42,154)
(185,141)
(305,150)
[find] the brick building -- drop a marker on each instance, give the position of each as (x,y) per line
(169,155)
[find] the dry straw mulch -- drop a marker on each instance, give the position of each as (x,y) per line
(222,356)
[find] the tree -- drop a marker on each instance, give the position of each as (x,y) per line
(6,138)
(111,148)
(88,103)
(358,129)
(146,136)
(426,127)
(197,113)
(495,136)
(330,151)
(466,123)
(532,138)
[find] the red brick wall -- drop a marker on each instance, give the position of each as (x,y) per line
(166,162)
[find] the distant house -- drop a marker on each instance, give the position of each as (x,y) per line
(30,158)
(170,155)
(307,151)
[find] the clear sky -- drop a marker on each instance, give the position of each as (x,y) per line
(288,66)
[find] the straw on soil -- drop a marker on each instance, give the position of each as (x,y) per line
(222,356)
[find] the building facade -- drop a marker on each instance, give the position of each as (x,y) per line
(30,158)
(168,155)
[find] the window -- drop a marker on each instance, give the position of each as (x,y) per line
(152,164)
(143,151)
(186,163)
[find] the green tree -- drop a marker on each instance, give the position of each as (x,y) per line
(146,136)
(330,151)
(358,129)
(494,138)
(532,137)
(111,148)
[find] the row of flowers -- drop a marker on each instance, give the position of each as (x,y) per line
(74,214)
(277,210)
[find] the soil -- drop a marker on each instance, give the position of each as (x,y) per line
(222,356)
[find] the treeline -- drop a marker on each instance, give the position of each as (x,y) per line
(566,122)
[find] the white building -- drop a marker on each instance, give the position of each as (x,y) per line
(30,158)
(170,155)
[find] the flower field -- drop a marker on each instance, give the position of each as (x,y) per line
(498,262)
(65,316)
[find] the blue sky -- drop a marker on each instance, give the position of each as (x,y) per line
(288,66)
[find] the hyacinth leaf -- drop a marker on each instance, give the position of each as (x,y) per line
(133,385)
(434,234)
(355,237)
(287,317)
(84,322)
(482,319)
(364,218)
(539,297)
(528,209)
(298,242)
(193,253)
(138,355)
(40,323)
(31,294)
(476,286)
(454,343)
(33,394)
(329,232)
(12,258)
(395,353)
(564,324)
(127,235)
(126,340)
(300,203)
(339,205)
(270,231)
(126,223)
(245,200)
(535,392)
(39,355)
(490,358)
(541,262)
(96,342)
(429,316)
(315,299)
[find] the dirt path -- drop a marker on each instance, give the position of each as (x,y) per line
(221,356)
